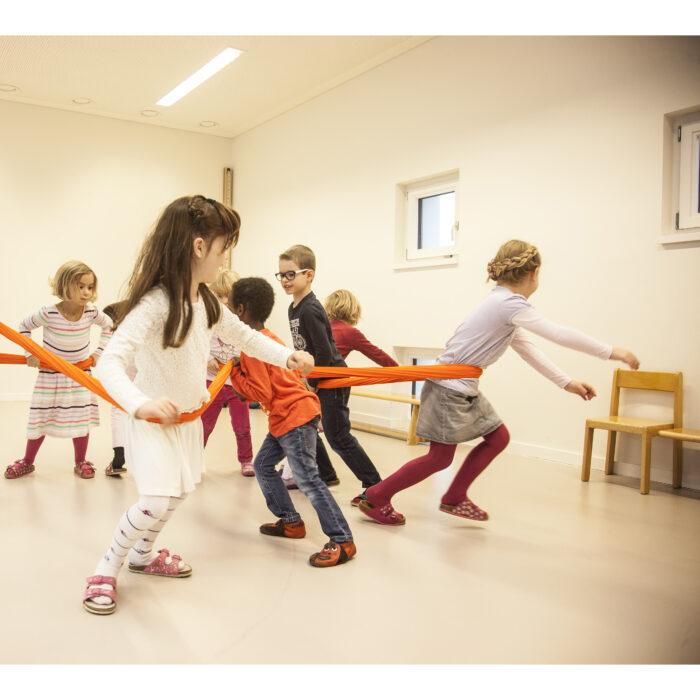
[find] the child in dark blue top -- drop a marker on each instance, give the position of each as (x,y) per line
(311,331)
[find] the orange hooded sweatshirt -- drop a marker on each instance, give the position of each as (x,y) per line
(280,392)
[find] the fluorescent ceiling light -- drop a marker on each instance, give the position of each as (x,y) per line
(197,78)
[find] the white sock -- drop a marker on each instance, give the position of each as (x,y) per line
(141,552)
(144,514)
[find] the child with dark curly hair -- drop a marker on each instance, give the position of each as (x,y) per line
(293,413)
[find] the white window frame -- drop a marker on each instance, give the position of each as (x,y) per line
(689,161)
(681,222)
(407,225)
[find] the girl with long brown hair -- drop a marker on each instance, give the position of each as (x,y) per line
(164,328)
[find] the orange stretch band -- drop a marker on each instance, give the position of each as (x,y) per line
(58,364)
(361,376)
(344,376)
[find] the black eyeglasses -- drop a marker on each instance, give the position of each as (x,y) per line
(290,275)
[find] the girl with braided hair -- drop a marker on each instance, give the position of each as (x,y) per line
(454,410)
(164,327)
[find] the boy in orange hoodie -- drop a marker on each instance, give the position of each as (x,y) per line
(293,413)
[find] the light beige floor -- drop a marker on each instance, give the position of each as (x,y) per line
(563,572)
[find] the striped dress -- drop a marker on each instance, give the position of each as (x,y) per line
(59,406)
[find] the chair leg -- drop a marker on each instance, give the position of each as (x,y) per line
(587,448)
(610,452)
(646,463)
(677,464)
(412,438)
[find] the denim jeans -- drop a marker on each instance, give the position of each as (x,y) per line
(325,467)
(336,428)
(299,447)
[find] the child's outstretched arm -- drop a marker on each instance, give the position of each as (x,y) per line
(524,346)
(234,332)
(532,321)
(359,341)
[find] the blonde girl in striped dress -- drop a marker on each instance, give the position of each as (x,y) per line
(60,407)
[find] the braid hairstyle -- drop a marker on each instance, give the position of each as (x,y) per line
(513,262)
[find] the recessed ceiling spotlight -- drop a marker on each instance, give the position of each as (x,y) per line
(199,76)
(149,113)
(8,88)
(208,124)
(82,100)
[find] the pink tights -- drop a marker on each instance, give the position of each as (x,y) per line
(79,448)
(440,457)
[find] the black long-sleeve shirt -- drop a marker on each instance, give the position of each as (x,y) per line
(311,331)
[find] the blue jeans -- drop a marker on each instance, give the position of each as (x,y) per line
(299,447)
(336,427)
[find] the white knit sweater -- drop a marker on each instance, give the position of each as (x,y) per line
(178,373)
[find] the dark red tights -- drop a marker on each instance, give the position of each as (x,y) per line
(440,457)
(79,448)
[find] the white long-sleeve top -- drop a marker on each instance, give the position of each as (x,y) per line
(178,373)
(500,321)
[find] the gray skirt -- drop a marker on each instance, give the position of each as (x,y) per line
(450,417)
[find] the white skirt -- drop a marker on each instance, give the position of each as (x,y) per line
(164,460)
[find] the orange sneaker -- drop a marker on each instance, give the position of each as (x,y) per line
(333,553)
(294,531)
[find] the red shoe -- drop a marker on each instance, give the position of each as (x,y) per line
(385,515)
(18,468)
(247,469)
(333,554)
(85,470)
(294,531)
(465,509)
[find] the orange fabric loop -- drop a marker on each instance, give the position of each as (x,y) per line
(361,376)
(344,376)
(6,359)
(58,364)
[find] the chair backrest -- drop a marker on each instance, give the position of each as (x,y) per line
(651,381)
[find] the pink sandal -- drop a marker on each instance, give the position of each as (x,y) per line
(94,590)
(465,509)
(386,515)
(18,468)
(84,469)
(160,567)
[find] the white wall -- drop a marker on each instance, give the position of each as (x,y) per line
(559,141)
(82,187)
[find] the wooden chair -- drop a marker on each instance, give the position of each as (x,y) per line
(679,434)
(647,428)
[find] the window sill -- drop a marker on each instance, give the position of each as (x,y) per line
(692,236)
(442,261)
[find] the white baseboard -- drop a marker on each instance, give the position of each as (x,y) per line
(660,474)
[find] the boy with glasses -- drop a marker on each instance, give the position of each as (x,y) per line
(311,331)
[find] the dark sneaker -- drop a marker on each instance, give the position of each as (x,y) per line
(294,531)
(333,482)
(356,501)
(333,553)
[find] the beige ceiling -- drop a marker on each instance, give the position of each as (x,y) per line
(124,75)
